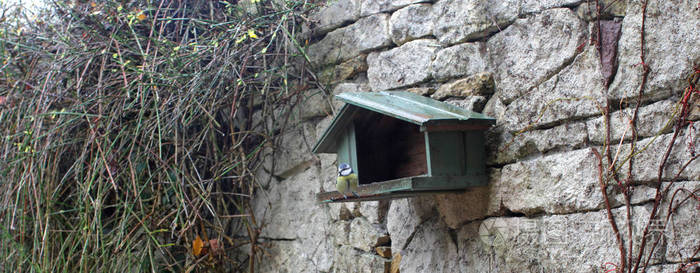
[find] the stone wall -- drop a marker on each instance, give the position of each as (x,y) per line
(532,65)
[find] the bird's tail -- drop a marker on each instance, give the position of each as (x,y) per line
(355,194)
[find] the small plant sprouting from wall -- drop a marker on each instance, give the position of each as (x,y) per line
(127,135)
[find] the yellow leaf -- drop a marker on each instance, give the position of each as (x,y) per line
(252,34)
(93,4)
(197,245)
(141,16)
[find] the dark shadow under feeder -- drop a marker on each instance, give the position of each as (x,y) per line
(401,144)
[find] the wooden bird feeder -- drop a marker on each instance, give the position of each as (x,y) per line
(402,144)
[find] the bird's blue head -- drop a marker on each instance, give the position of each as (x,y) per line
(344,169)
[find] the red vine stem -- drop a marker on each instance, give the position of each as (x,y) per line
(611,218)
(670,210)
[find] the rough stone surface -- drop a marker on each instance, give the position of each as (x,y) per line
(527,52)
(474,85)
(652,119)
(285,255)
(682,233)
(404,216)
(358,261)
(672,268)
(532,6)
(314,104)
(576,92)
(471,103)
(518,244)
(458,21)
(374,211)
(344,43)
(647,161)
(344,70)
(506,148)
(295,146)
(335,14)
(671,48)
(364,235)
(423,91)
(402,66)
(460,60)
(370,7)
(410,23)
(495,108)
(559,183)
(430,250)
(348,87)
(285,204)
(482,202)
(608,8)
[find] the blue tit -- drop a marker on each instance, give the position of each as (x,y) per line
(347,181)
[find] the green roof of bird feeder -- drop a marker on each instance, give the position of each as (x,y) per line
(402,144)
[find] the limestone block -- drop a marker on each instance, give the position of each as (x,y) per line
(682,233)
(608,8)
(531,6)
(651,152)
(287,205)
(402,66)
(455,209)
(374,211)
(314,103)
(506,147)
(411,22)
(430,250)
(343,71)
(350,87)
(344,43)
(495,108)
(364,235)
(460,60)
(347,87)
(589,235)
(471,103)
(293,153)
(579,242)
(370,7)
(423,91)
(334,14)
(480,84)
(559,183)
(329,171)
(340,231)
(671,49)
(672,268)
(321,127)
(349,259)
(404,216)
(652,119)
(576,92)
(533,49)
(458,21)
(285,254)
